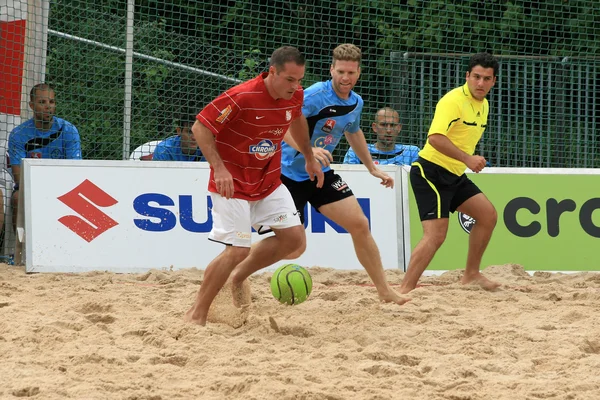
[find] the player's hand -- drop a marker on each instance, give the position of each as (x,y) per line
(224,182)
(314,169)
(476,163)
(323,156)
(386,180)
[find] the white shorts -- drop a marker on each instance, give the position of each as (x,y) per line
(233,219)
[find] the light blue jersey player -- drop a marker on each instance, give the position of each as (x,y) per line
(385,151)
(60,142)
(182,147)
(328,117)
(43,136)
(401,154)
(171,149)
(332,109)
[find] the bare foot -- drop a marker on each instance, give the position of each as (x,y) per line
(480,280)
(189,317)
(405,290)
(393,297)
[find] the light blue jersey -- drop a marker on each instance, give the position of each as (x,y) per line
(400,155)
(60,142)
(328,118)
(170,150)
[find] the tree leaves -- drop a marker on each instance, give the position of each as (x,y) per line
(235,37)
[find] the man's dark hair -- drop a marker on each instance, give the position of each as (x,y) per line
(485,60)
(284,55)
(39,86)
(187,120)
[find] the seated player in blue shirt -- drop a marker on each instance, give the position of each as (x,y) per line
(43,136)
(385,151)
(182,147)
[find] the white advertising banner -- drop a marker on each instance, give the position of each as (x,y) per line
(132,216)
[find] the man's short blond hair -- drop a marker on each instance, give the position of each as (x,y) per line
(347,52)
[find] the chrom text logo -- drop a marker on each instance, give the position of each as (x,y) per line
(264,149)
(85,200)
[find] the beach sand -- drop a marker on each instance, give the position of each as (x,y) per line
(121,336)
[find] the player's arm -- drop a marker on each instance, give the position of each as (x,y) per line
(298,132)
(309,108)
(320,154)
(160,153)
(447,113)
(359,144)
(73,145)
(206,141)
(16,171)
(445,146)
(414,154)
(16,152)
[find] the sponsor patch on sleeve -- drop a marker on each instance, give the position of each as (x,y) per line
(224,113)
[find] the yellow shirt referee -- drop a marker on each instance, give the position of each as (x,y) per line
(461,118)
(438,177)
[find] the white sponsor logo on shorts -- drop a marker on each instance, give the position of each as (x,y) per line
(243,235)
(280,218)
(339,185)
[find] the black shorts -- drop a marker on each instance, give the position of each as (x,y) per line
(334,189)
(439,192)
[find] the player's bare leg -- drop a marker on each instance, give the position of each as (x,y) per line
(1,214)
(480,208)
(266,252)
(434,234)
(15,207)
(348,214)
(215,276)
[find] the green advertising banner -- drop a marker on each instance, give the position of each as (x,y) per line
(547,220)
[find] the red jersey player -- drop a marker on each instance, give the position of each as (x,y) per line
(240,134)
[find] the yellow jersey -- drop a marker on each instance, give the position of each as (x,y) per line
(462,119)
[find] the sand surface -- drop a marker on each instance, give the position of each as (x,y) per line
(121,336)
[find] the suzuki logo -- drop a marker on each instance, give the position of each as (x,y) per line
(85,200)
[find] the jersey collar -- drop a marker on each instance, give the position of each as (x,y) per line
(330,87)
(467,93)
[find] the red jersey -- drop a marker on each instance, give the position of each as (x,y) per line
(249,126)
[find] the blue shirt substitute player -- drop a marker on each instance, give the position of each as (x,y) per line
(332,109)
(182,147)
(43,136)
(385,151)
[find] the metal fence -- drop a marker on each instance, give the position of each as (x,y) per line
(544,111)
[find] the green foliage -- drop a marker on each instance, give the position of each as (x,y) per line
(252,60)
(234,38)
